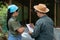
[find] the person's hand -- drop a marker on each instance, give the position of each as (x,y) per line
(30,32)
(32,25)
(21,30)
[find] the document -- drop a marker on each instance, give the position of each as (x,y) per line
(29,27)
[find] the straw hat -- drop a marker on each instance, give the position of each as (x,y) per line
(41,8)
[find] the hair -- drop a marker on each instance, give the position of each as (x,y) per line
(9,15)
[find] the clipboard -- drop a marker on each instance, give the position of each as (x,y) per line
(30,28)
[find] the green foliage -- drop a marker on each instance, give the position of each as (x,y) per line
(3,15)
(3,12)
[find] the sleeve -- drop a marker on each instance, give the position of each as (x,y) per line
(15,25)
(36,30)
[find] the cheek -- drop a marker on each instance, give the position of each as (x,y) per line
(37,13)
(17,13)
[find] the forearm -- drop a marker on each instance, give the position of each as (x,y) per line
(21,30)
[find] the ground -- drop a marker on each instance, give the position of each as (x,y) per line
(56,35)
(28,37)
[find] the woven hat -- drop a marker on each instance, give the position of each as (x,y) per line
(41,8)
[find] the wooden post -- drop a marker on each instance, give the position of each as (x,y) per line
(30,13)
(55,13)
(23,14)
(10,1)
(0,29)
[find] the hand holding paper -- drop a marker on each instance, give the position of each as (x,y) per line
(32,25)
(29,27)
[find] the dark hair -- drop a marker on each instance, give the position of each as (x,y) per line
(9,15)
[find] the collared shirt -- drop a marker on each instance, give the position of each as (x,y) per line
(13,25)
(43,29)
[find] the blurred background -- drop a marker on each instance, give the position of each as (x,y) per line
(27,14)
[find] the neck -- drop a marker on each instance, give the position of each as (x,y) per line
(42,15)
(13,15)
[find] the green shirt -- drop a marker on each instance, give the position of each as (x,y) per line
(13,25)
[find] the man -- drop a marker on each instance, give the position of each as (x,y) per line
(43,29)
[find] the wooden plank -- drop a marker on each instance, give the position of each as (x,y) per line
(55,13)
(10,2)
(30,13)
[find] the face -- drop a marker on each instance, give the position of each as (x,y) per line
(15,14)
(38,13)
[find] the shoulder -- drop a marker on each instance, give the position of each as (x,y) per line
(39,21)
(47,20)
(11,20)
(44,20)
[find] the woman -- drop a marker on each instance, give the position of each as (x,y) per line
(15,28)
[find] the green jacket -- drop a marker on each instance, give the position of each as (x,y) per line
(13,25)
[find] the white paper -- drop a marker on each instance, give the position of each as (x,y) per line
(30,28)
(26,36)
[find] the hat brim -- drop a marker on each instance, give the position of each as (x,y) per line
(36,8)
